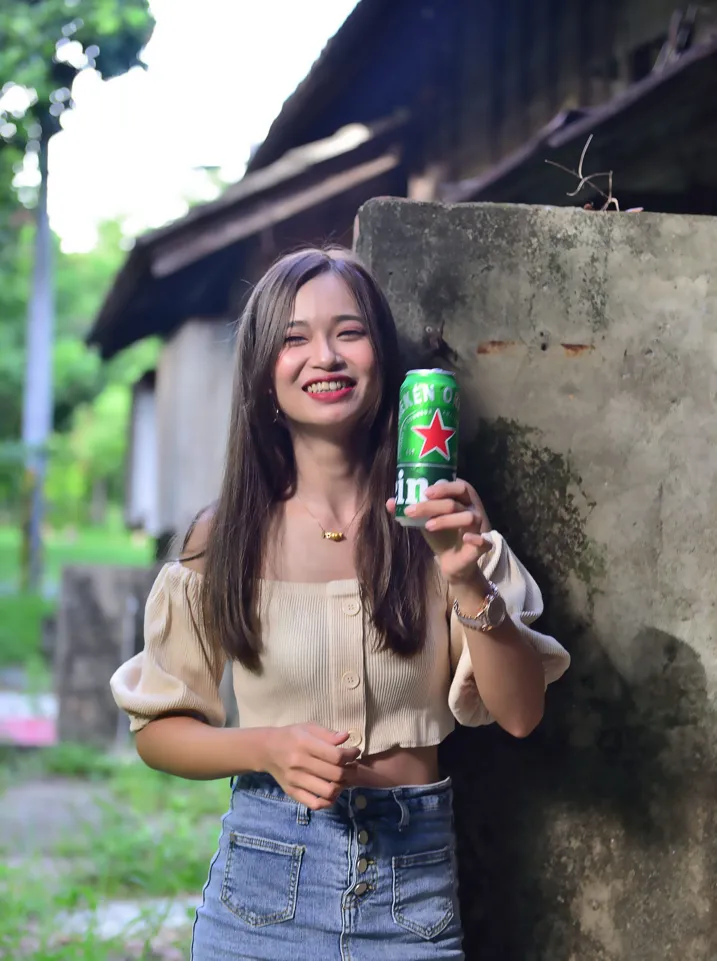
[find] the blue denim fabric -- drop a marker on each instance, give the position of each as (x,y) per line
(372,878)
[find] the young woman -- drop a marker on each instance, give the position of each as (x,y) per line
(355,644)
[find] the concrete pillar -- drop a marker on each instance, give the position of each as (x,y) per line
(586,348)
(99,626)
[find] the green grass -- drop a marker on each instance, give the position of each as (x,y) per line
(155,838)
(106,545)
(61,760)
(21,626)
(21,614)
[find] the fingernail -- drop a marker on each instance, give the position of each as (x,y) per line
(411,510)
(430,525)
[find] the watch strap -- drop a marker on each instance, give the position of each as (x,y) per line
(479,621)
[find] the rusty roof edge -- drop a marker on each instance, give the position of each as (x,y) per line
(566,127)
(256,212)
(295,162)
(464,190)
(138,265)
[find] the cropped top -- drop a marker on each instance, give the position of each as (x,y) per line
(322,663)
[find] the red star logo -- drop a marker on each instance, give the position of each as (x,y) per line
(435,436)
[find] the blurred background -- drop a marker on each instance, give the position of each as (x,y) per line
(155,157)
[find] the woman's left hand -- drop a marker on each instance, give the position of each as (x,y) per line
(456,521)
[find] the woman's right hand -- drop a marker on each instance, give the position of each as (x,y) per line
(309,763)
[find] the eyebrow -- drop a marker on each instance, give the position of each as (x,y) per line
(337,319)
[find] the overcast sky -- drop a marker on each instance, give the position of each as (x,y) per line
(218,73)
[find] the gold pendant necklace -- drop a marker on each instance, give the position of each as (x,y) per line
(335,536)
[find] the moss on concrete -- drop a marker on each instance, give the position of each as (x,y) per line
(535,496)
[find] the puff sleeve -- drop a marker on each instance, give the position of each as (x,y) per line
(525,605)
(176,671)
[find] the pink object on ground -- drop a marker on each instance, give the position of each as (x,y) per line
(28,731)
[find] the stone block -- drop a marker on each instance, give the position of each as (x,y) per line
(99,625)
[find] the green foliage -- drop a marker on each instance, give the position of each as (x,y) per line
(21,615)
(75,760)
(92,400)
(77,376)
(154,837)
(15,271)
(92,451)
(46,43)
(67,760)
(156,833)
(110,544)
(133,854)
(81,282)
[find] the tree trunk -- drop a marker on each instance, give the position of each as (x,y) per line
(37,406)
(98,503)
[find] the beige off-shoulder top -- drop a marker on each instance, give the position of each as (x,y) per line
(322,663)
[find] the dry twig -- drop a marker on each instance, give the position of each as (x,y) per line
(584,180)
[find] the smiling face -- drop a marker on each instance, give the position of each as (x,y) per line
(326,374)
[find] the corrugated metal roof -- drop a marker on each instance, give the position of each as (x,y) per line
(647,116)
(196,251)
(306,99)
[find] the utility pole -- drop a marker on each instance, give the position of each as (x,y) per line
(37,401)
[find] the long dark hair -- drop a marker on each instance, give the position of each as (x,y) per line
(393,564)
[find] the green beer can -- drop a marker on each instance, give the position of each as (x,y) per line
(427,437)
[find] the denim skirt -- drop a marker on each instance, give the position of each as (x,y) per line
(373,877)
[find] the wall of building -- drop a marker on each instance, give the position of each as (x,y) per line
(142,486)
(194,380)
(502,71)
(586,347)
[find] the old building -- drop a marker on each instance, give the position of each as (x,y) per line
(458,100)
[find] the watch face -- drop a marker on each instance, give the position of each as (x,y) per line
(496,611)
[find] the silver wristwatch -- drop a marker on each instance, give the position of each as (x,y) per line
(491,615)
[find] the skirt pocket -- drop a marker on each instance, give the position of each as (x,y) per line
(261,879)
(424,892)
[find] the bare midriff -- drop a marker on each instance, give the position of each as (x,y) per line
(396,768)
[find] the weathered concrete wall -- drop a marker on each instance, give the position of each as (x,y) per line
(194,381)
(99,625)
(586,345)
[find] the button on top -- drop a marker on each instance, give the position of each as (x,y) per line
(361,888)
(362,865)
(351,679)
(354,740)
(363,837)
(351,608)
(360,802)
